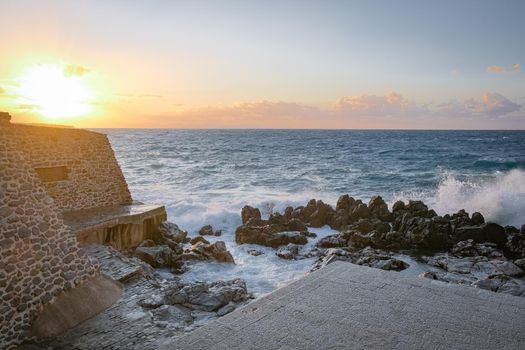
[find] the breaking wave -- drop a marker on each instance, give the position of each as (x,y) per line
(500,197)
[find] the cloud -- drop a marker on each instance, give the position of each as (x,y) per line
(2,91)
(490,105)
(391,104)
(76,71)
(502,70)
(391,110)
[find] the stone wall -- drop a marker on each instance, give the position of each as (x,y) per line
(93,177)
(39,256)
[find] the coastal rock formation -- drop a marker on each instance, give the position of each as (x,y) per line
(158,255)
(207,230)
(278,230)
(203,250)
(368,257)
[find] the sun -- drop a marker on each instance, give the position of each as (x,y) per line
(55,91)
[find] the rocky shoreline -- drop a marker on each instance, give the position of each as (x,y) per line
(457,248)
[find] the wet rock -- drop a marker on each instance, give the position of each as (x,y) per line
(379,260)
(449,277)
(470,248)
(379,209)
(502,284)
(331,241)
(268,235)
(207,296)
(520,263)
(206,230)
(367,257)
(476,266)
(254,252)
(289,252)
(477,219)
(209,251)
(489,232)
(209,231)
(198,239)
(248,213)
(156,256)
(170,234)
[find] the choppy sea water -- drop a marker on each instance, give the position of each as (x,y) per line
(207,176)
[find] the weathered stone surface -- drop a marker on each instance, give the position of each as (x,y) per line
(207,296)
(348,306)
(289,252)
(40,257)
(157,256)
(209,251)
(249,213)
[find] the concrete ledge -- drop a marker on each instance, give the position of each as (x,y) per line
(346,306)
(76,306)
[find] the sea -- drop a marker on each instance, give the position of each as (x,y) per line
(207,176)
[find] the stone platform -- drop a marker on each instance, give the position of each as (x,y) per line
(346,306)
(123,226)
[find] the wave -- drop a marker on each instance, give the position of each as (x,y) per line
(499,197)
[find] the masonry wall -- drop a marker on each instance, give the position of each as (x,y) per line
(94,178)
(39,257)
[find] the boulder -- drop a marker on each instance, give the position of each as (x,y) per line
(207,296)
(170,234)
(288,252)
(502,284)
(489,232)
(198,239)
(379,260)
(379,209)
(268,235)
(206,231)
(209,251)
(248,213)
(157,256)
(331,241)
(254,252)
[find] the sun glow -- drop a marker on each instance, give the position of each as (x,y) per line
(55,91)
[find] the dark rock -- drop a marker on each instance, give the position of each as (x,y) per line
(489,232)
(156,256)
(289,252)
(206,251)
(248,213)
(198,239)
(502,284)
(268,235)
(254,252)
(207,296)
(477,219)
(206,231)
(331,241)
(379,209)
(170,234)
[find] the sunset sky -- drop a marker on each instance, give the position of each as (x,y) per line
(265,64)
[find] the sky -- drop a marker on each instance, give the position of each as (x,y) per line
(264,64)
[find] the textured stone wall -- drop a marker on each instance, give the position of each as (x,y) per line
(39,257)
(94,176)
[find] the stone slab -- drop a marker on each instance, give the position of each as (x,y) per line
(346,306)
(96,218)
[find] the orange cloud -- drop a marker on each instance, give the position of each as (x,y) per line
(499,70)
